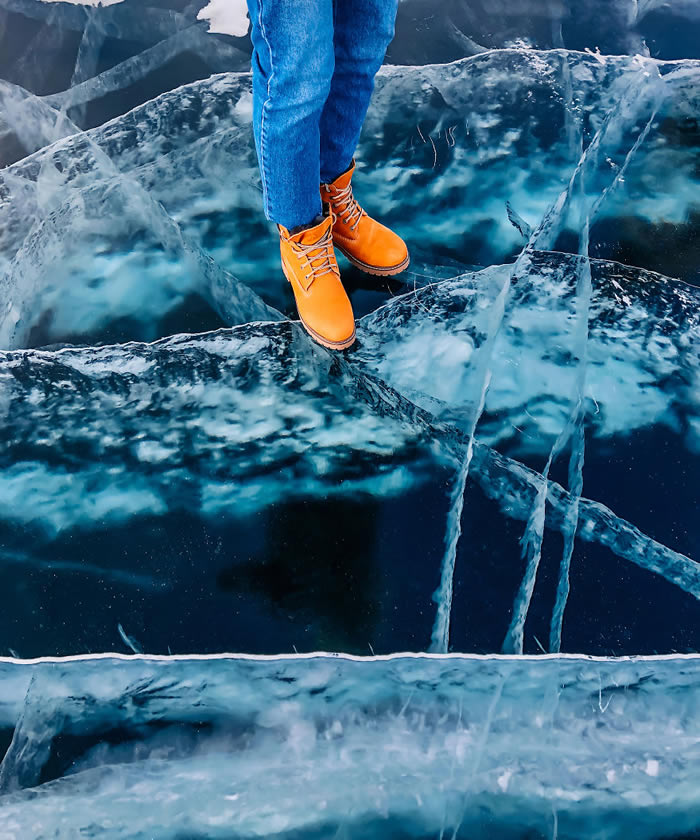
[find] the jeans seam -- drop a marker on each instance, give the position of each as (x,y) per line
(263,155)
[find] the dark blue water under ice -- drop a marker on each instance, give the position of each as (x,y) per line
(507,463)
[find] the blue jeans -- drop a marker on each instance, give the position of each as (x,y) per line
(314,63)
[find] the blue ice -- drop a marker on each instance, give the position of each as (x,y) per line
(507,464)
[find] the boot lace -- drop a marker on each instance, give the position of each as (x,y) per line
(345,205)
(325,262)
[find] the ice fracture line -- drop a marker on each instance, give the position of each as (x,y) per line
(533,537)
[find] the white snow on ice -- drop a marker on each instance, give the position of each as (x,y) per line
(228,17)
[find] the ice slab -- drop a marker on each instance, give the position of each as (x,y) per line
(313,745)
(243,388)
(467,27)
(424,34)
(643,335)
(245,419)
(445,150)
(262,412)
(93,51)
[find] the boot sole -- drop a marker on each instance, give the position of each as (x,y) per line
(326,342)
(319,339)
(375,269)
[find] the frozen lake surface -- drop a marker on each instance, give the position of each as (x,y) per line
(507,463)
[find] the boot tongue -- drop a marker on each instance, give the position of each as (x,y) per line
(320,256)
(310,235)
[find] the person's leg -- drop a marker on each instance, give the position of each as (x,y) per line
(363,30)
(293,62)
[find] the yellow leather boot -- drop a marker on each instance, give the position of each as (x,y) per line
(309,263)
(368,244)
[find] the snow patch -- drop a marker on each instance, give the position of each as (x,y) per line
(652,767)
(229,17)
